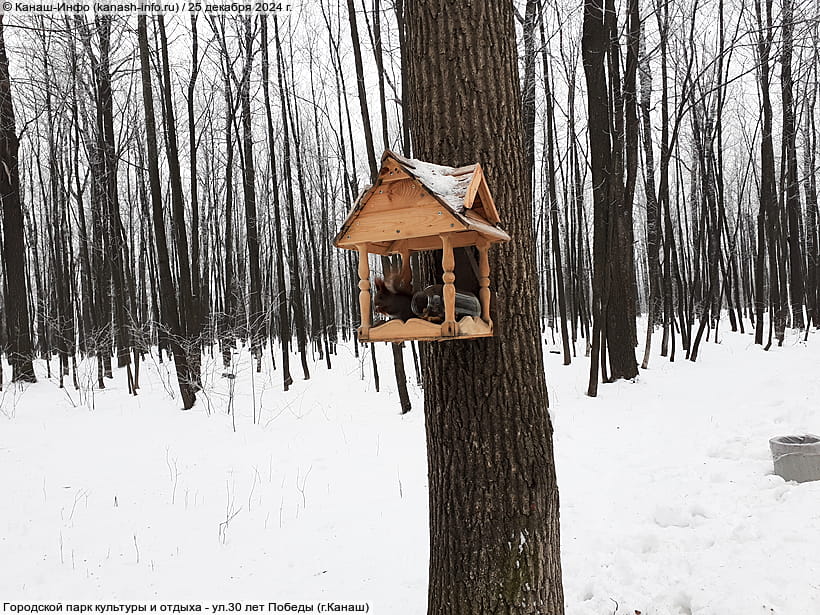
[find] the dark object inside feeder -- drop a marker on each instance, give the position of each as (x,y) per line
(429,304)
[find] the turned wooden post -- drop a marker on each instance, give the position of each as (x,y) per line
(484,279)
(364,291)
(449,327)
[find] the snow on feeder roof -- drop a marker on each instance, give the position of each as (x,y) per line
(418,201)
(418,206)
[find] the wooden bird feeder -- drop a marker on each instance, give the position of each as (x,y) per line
(416,206)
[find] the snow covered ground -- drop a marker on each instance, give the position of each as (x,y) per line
(669,505)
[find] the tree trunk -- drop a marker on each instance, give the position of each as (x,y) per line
(767,226)
(613,282)
(20,349)
(494,528)
(281,297)
(396,349)
(198,307)
(810,187)
(653,219)
(186,387)
(553,203)
(528,94)
(296,295)
(792,187)
(186,308)
(227,320)
(357,57)
(249,193)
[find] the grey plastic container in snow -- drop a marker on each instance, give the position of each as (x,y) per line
(796,457)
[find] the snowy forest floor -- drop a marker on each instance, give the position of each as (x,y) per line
(668,501)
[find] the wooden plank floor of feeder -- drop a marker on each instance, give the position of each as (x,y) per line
(417,329)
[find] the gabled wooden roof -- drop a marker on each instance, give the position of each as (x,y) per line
(413,200)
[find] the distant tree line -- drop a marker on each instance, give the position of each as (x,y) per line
(173,184)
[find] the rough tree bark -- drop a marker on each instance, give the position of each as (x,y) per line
(17,317)
(494,529)
(613,281)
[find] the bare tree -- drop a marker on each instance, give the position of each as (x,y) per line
(171,313)
(20,349)
(612,131)
(494,530)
